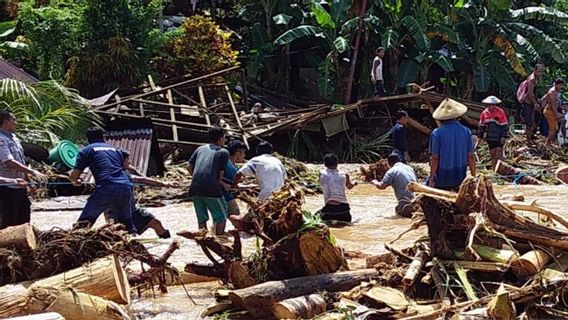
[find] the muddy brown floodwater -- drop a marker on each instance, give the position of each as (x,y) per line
(374,224)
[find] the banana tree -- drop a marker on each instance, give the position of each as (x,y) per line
(334,26)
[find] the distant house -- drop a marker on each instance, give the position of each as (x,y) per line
(10,71)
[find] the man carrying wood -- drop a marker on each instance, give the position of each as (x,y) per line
(207,167)
(451,148)
(494,128)
(15,206)
(399,176)
(113,187)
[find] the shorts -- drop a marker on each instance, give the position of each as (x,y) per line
(380,88)
(530,115)
(15,207)
(116,199)
(404,208)
(205,205)
(336,212)
(233,208)
(494,144)
(551,119)
(141,218)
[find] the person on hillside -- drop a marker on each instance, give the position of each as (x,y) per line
(530,105)
(377,73)
(15,206)
(113,187)
(237,151)
(266,168)
(333,184)
(493,128)
(451,148)
(207,168)
(399,176)
(398,134)
(551,105)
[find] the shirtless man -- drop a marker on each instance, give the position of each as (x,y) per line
(551,113)
(531,107)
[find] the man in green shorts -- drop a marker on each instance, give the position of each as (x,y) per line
(207,167)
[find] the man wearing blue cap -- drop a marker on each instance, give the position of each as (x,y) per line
(399,176)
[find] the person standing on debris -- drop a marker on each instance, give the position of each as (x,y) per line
(551,104)
(113,187)
(333,183)
(494,128)
(526,95)
(399,176)
(237,151)
(451,148)
(207,167)
(398,133)
(15,206)
(377,73)
(266,168)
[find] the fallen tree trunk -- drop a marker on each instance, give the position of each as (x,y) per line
(16,300)
(22,237)
(516,174)
(305,307)
(259,299)
(104,278)
(530,263)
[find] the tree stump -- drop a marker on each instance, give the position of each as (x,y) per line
(20,237)
(306,307)
(319,254)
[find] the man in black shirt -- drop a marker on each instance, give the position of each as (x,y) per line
(398,133)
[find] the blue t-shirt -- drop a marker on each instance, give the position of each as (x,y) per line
(106,163)
(228,177)
(452,143)
(398,133)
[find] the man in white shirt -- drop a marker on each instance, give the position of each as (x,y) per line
(377,73)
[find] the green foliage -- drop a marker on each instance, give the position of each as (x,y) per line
(47,111)
(358,148)
(201,48)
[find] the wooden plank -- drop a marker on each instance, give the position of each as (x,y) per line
(204,105)
(172,115)
(165,89)
(117,98)
(239,123)
(141,108)
(192,143)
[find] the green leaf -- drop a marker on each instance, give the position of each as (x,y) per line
(6,26)
(445,63)
(541,14)
(482,78)
(415,30)
(7,32)
(326,70)
(407,72)
(339,10)
(14,45)
(527,47)
(540,40)
(341,44)
(459,4)
(297,33)
(323,17)
(390,38)
(282,19)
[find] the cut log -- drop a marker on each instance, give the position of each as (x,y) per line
(42,316)
(104,278)
(319,254)
(239,276)
(20,237)
(414,268)
(16,300)
(419,127)
(530,263)
(306,307)
(516,174)
(259,299)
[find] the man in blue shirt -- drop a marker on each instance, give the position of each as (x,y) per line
(451,148)
(113,191)
(399,176)
(398,133)
(237,151)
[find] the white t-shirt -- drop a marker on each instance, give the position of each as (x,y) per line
(269,173)
(377,72)
(333,185)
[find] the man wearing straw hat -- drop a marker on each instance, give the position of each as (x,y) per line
(493,127)
(451,147)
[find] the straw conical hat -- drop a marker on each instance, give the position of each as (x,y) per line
(449,109)
(491,100)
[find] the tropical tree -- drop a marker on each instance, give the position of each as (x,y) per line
(47,111)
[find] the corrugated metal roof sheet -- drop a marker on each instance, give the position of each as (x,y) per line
(10,71)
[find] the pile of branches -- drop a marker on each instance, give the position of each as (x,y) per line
(295,243)
(481,259)
(375,171)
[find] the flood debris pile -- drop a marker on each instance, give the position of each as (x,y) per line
(302,175)
(375,171)
(482,259)
(77,273)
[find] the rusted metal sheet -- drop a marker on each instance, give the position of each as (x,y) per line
(10,71)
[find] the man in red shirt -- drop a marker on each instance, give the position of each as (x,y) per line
(493,127)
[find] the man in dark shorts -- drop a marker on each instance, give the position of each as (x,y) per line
(493,128)
(531,108)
